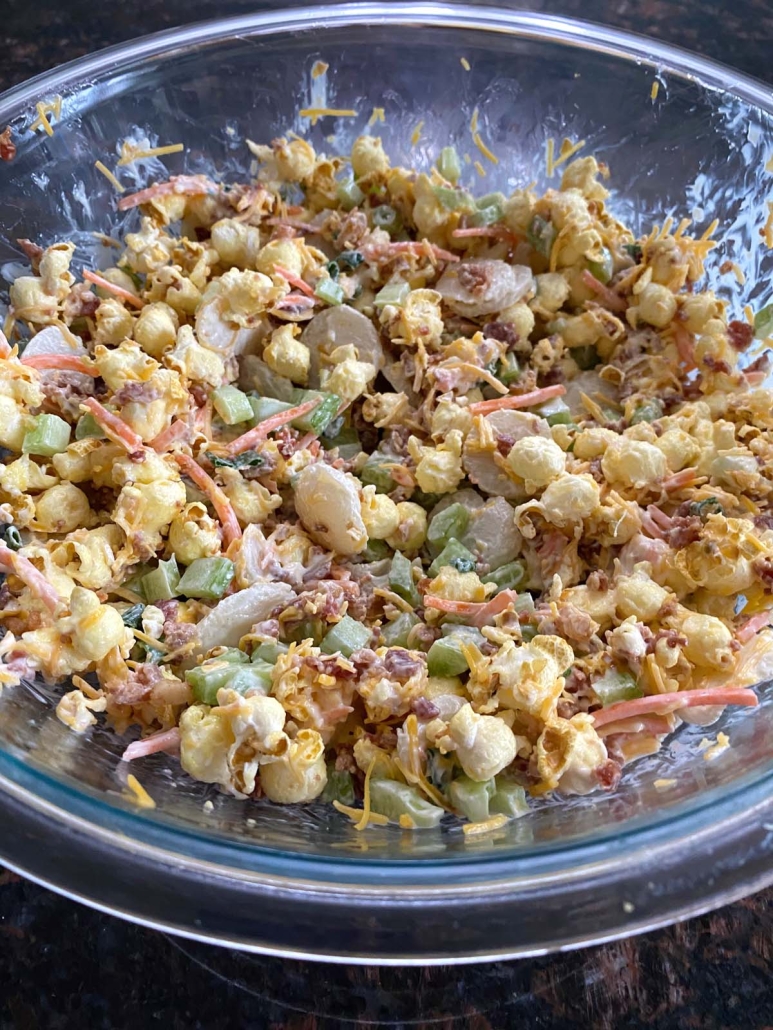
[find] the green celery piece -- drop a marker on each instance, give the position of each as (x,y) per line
(163,583)
(319,418)
(385,217)
(449,165)
(763,323)
(528,632)
(509,799)
(393,799)
(541,234)
(393,293)
(216,673)
(329,291)
(207,578)
(339,787)
(509,370)
(463,634)
(490,209)
(347,636)
(614,686)
(377,472)
(454,200)
(375,550)
(507,577)
(472,798)
(265,407)
(232,405)
(603,269)
(233,656)
(307,629)
(395,633)
(347,440)
(269,651)
(445,657)
(648,411)
(86,426)
(450,522)
(560,418)
(452,553)
(401,580)
(46,436)
(349,194)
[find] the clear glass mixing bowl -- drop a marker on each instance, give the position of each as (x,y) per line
(303,881)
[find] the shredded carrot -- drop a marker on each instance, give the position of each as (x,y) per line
(518,400)
(680,479)
(172,434)
(253,436)
(684,346)
(32,578)
(664,703)
(64,362)
(179,185)
(117,291)
(479,611)
(294,280)
(752,626)
(612,300)
(231,528)
(114,427)
(495,231)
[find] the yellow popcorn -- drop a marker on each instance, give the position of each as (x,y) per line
(288,356)
(531,675)
(633,464)
(368,157)
(639,595)
(62,508)
(536,461)
(439,469)
(379,513)
(458,586)
(193,534)
(411,531)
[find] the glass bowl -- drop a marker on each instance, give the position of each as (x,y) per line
(682,137)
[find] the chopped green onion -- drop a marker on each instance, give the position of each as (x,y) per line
(349,194)
(132,617)
(507,577)
(393,799)
(560,418)
(614,686)
(709,506)
(449,165)
(11,537)
(440,768)
(375,550)
(454,200)
(401,580)
(528,632)
(163,583)
(509,799)
(265,407)
(541,235)
(471,797)
(377,471)
(648,411)
(339,787)
(349,259)
(602,269)
(763,323)
(347,636)
(86,426)
(451,522)
(445,657)
(332,269)
(393,293)
(319,418)
(385,217)
(453,551)
(245,460)
(269,651)
(47,435)
(207,578)
(633,250)
(586,357)
(395,633)
(232,405)
(329,291)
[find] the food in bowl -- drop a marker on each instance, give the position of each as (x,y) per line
(346,483)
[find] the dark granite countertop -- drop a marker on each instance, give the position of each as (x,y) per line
(62,965)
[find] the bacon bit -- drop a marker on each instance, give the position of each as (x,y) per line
(680,479)
(479,612)
(294,280)
(684,347)
(295,300)
(499,232)
(179,185)
(32,578)
(752,626)
(518,400)
(5,347)
(166,740)
(114,427)
(258,433)
(665,703)
(172,434)
(117,291)
(231,528)
(7,146)
(612,300)
(61,362)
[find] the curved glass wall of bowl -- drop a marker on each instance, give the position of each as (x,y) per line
(694,147)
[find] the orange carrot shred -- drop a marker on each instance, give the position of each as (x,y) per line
(253,436)
(115,428)
(117,291)
(518,400)
(231,528)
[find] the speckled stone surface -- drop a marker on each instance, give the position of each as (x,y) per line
(63,966)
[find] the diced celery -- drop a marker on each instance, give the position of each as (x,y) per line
(633,250)
(207,578)
(232,405)
(163,583)
(385,217)
(346,440)
(395,633)
(251,678)
(449,165)
(401,580)
(507,577)
(425,500)
(349,194)
(509,799)
(347,636)
(450,522)
(87,425)
(307,629)
(524,604)
(445,657)
(375,550)
(47,435)
(490,209)
(454,200)
(472,798)
(329,291)
(456,555)
(509,370)
(616,685)
(216,673)
(648,411)
(586,357)
(395,293)
(602,269)
(528,632)
(318,419)
(233,656)
(265,407)
(463,634)
(541,235)
(269,651)
(560,418)
(377,471)
(339,787)
(393,799)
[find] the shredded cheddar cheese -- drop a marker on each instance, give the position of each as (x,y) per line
(550,149)
(484,149)
(568,149)
(377,116)
(110,178)
(748,314)
(767,230)
(769,164)
(496,822)
(130,154)
(416,134)
(319,68)
(45,108)
(464,63)
(716,749)
(479,169)
(138,794)
(654,90)
(315,113)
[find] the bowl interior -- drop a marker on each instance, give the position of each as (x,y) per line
(677,145)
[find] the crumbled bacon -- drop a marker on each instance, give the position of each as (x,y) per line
(685,529)
(400,664)
(143,393)
(474,278)
(598,580)
(7,146)
(66,390)
(424,708)
(33,251)
(763,568)
(137,687)
(740,335)
(608,774)
(502,331)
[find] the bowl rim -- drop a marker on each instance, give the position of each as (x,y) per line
(748,823)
